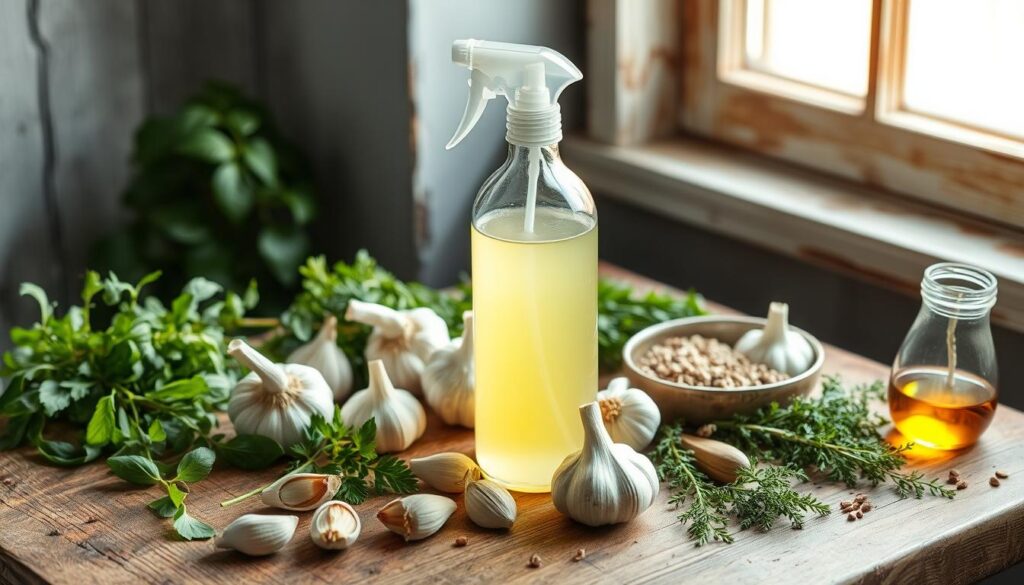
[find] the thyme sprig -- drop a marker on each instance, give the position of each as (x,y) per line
(836,433)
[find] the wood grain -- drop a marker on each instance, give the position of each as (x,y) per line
(85,526)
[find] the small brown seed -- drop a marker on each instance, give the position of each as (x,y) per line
(461,541)
(1002,474)
(534,561)
(954,473)
(860,514)
(993,481)
(961,485)
(581,553)
(845,504)
(953,479)
(851,517)
(859,498)
(866,507)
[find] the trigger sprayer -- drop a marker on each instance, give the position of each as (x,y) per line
(531,79)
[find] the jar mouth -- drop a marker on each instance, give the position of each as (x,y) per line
(958,291)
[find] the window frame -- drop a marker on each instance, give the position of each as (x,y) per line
(875,141)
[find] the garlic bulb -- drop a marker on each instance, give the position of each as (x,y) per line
(721,461)
(488,504)
(400,417)
(301,491)
(404,340)
(335,525)
(448,379)
(276,400)
(416,517)
(605,483)
(323,354)
(258,535)
(444,472)
(629,414)
(776,346)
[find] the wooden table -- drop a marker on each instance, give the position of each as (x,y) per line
(86,526)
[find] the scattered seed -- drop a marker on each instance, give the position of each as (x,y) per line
(53,532)
(9,482)
(581,553)
(866,507)
(952,480)
(954,473)
(91,520)
(534,561)
(961,485)
(845,504)
(851,517)
(461,541)
(859,498)
(1002,474)
(706,430)
(993,481)
(860,514)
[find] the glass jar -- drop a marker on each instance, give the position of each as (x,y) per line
(942,391)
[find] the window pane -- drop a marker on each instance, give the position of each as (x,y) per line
(963,62)
(822,43)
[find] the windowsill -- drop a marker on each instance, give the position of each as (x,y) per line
(824,221)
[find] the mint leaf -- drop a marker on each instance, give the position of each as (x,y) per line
(232,192)
(34,291)
(66,454)
(189,528)
(186,389)
(52,397)
(134,469)
(156,431)
(163,507)
(196,465)
(176,494)
(259,157)
(250,452)
(209,145)
(101,426)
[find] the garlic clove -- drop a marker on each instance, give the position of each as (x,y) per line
(323,354)
(605,482)
(444,472)
(629,414)
(335,525)
(400,418)
(449,379)
(301,491)
(258,535)
(776,346)
(416,517)
(489,505)
(721,461)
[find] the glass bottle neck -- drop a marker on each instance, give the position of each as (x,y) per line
(958,291)
(520,154)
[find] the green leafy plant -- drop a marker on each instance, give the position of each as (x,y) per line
(215,192)
(333,448)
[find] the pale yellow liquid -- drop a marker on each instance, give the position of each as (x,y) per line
(535,335)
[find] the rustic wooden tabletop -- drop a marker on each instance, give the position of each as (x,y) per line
(86,526)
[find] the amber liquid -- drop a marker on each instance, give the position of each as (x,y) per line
(928,411)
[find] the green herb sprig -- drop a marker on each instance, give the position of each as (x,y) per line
(334,448)
(758,498)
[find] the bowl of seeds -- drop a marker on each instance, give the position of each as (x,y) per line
(690,369)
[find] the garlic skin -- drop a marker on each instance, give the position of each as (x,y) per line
(403,340)
(416,517)
(335,525)
(605,482)
(629,414)
(445,472)
(449,380)
(301,491)
(399,416)
(776,346)
(276,400)
(323,354)
(488,504)
(721,461)
(258,535)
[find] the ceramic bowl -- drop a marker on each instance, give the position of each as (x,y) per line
(698,404)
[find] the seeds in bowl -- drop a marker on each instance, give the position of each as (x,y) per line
(704,361)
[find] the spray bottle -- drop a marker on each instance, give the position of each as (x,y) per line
(534,239)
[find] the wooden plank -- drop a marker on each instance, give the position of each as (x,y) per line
(84,526)
(96,102)
(187,42)
(27,250)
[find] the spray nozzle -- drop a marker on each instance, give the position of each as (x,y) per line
(531,79)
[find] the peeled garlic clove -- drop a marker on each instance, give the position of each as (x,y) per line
(629,414)
(301,491)
(323,354)
(489,505)
(776,346)
(335,525)
(449,379)
(605,482)
(445,472)
(721,461)
(258,535)
(416,517)
(399,416)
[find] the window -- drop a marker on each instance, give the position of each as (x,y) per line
(921,97)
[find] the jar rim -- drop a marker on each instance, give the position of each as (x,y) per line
(959,290)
